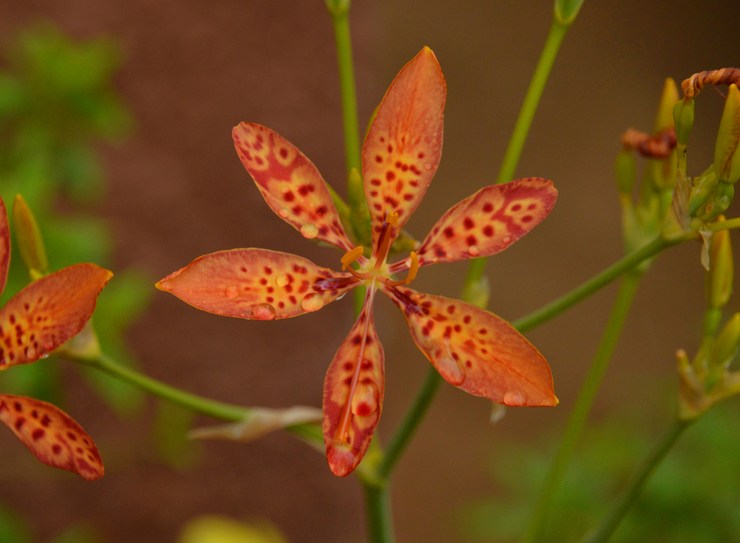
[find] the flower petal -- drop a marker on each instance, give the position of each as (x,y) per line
(475,350)
(290,183)
(51,435)
(48,312)
(353,395)
(256,284)
(404,143)
(4,246)
(489,221)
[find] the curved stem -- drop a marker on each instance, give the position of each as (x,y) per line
(583,404)
(629,495)
(410,422)
(585,289)
(212,408)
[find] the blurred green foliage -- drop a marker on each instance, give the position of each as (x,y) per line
(691,497)
(57,105)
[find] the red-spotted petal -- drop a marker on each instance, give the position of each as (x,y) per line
(48,312)
(290,183)
(51,435)
(256,284)
(4,246)
(489,221)
(475,350)
(353,395)
(404,143)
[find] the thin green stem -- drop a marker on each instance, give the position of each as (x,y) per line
(343,41)
(212,408)
(378,511)
(531,101)
(524,122)
(411,421)
(629,495)
(583,404)
(585,289)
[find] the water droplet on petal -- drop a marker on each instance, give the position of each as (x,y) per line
(514,398)
(451,370)
(312,302)
(428,166)
(263,312)
(473,250)
(507,240)
(284,212)
(282,280)
(231,292)
(365,400)
(309,231)
(30,352)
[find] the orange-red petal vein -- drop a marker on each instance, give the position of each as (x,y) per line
(51,435)
(256,284)
(353,394)
(290,183)
(475,350)
(489,221)
(404,143)
(48,312)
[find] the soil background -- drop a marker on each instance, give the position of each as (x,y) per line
(193,69)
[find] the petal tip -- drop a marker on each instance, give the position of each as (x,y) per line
(342,461)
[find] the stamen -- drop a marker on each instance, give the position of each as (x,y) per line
(386,238)
(351,256)
(411,275)
(413,268)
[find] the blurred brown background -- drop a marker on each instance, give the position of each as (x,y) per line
(194,69)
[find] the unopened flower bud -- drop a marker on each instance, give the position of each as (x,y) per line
(720,276)
(668,100)
(727,147)
(703,188)
(718,202)
(683,117)
(28,238)
(726,345)
(624,168)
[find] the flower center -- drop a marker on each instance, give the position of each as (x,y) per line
(377,267)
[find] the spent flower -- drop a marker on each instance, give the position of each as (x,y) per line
(471,348)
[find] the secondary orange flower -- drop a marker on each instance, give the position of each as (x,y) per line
(33,323)
(471,348)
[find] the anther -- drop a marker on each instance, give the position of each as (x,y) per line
(413,268)
(351,256)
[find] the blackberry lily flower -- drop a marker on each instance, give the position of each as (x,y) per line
(34,322)
(471,348)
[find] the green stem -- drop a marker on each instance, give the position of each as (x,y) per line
(410,422)
(378,511)
(212,408)
(523,123)
(619,508)
(583,404)
(629,262)
(340,18)
(531,101)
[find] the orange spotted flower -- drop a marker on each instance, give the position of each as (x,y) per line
(33,323)
(471,348)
